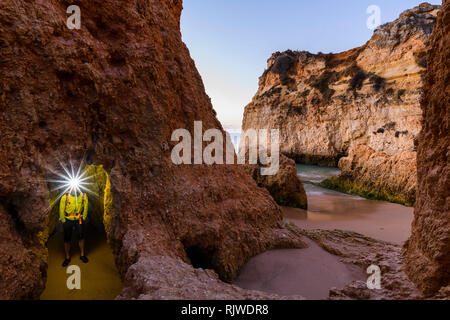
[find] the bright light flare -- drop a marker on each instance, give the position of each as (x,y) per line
(73,181)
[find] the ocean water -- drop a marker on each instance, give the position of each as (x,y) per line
(312,176)
(316,174)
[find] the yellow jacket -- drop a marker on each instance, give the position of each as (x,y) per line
(74,206)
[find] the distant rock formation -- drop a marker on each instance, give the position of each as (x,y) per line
(114,91)
(428,249)
(285,187)
(324,104)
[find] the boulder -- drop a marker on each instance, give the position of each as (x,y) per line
(285,187)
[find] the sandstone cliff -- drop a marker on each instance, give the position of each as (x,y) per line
(114,91)
(428,249)
(324,104)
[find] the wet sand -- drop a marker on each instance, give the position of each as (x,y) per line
(377,219)
(100,279)
(309,272)
(312,272)
(329,209)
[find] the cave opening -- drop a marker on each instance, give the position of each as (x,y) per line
(99,278)
(200,258)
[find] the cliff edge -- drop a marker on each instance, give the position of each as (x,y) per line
(325,105)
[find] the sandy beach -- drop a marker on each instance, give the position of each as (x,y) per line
(309,272)
(100,278)
(376,219)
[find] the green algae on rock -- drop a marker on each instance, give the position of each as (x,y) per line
(348,185)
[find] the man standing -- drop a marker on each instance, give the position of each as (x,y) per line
(73,210)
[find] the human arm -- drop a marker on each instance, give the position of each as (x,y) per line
(62,207)
(85,211)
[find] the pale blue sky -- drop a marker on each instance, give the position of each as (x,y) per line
(231,40)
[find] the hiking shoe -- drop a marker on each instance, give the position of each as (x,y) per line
(84,259)
(66,262)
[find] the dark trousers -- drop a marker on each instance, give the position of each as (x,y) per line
(68,227)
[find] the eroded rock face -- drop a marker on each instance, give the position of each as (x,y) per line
(285,187)
(162,277)
(21,268)
(377,175)
(324,104)
(114,92)
(428,250)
